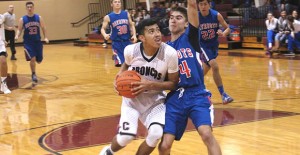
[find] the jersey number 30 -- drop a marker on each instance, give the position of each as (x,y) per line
(122,29)
(184,69)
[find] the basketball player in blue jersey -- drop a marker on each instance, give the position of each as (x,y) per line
(157,65)
(122,31)
(191,99)
(209,32)
(31,23)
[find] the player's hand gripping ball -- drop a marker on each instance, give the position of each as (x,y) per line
(124,83)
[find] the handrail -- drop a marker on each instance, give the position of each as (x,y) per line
(92,14)
(96,20)
(90,24)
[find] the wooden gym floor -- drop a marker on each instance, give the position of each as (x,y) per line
(74,110)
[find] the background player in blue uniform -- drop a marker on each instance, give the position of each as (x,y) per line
(31,23)
(122,28)
(209,32)
(191,100)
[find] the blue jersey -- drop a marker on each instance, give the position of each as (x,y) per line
(191,73)
(209,26)
(31,27)
(120,26)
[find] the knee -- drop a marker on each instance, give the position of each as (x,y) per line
(155,133)
(2,60)
(33,59)
(206,136)
(164,146)
(123,140)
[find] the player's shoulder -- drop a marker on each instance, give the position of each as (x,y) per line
(6,14)
(166,46)
(168,50)
(133,47)
(214,11)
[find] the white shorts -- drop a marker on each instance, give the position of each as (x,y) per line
(129,118)
(2,47)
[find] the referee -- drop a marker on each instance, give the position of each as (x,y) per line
(9,26)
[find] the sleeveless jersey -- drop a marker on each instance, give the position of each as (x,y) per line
(191,73)
(119,24)
(209,26)
(31,27)
(153,68)
(2,35)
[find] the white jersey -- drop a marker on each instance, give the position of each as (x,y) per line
(153,68)
(2,36)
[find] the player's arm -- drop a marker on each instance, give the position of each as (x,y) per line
(132,28)
(105,22)
(192,11)
(123,68)
(170,82)
(144,85)
(3,32)
(193,18)
(224,25)
(43,26)
(20,29)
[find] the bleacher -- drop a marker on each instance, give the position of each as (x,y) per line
(225,8)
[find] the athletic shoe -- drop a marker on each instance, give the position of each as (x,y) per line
(13,57)
(34,78)
(4,88)
(105,151)
(226,98)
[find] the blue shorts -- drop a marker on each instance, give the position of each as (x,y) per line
(34,49)
(118,50)
(294,42)
(208,53)
(194,104)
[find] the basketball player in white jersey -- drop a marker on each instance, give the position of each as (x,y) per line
(3,55)
(157,64)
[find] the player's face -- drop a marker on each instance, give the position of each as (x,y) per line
(29,8)
(177,22)
(204,7)
(152,36)
(116,4)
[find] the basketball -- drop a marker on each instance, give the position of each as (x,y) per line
(124,81)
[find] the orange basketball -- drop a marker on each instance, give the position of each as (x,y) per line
(124,81)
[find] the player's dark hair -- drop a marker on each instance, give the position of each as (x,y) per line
(29,3)
(140,29)
(182,10)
